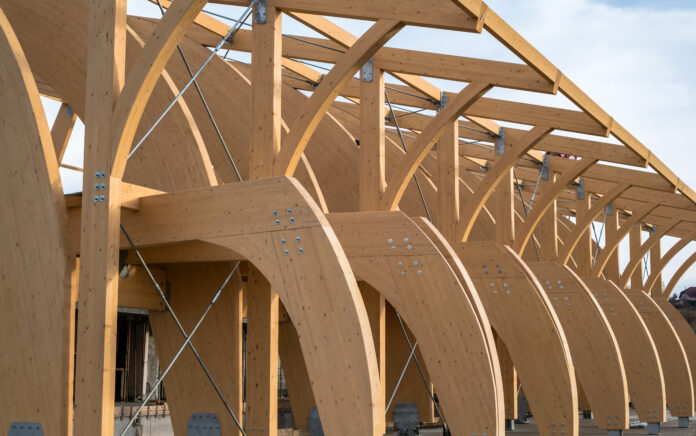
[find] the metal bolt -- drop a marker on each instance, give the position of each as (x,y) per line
(393,247)
(277,221)
(96,186)
(297,239)
(505,285)
(507,292)
(289,210)
(419,272)
(285,251)
(103,174)
(301,250)
(103,186)
(415,263)
(101,198)
(275,213)
(96,198)
(400,264)
(282,241)
(97,174)
(408,247)
(390,240)
(405,239)
(403,273)
(292,219)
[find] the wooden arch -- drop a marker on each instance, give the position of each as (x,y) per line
(678,275)
(656,271)
(638,254)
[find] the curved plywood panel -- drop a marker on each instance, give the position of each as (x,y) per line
(596,355)
(685,333)
(521,314)
(276,226)
(646,385)
(675,365)
(34,363)
(391,253)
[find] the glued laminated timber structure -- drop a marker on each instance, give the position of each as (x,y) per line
(310,187)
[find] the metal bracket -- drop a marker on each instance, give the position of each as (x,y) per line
(69,112)
(25,429)
(683,422)
(653,428)
(260,12)
(314,427)
(500,142)
(580,189)
(367,71)
(610,210)
(203,424)
(545,168)
(614,432)
(443,100)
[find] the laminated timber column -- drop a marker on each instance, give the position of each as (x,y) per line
(655,271)
(612,270)
(448,182)
(634,244)
(583,252)
(99,244)
(372,186)
(262,301)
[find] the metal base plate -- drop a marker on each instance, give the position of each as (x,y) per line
(509,424)
(684,422)
(203,424)
(614,432)
(653,428)
(25,429)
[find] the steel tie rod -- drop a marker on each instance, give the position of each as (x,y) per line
(183,332)
(230,33)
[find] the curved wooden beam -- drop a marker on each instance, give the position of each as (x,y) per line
(401,270)
(37,359)
(299,254)
(647,245)
(522,316)
(494,176)
(144,75)
(678,275)
(679,386)
(614,240)
(419,149)
(581,225)
(547,198)
(597,359)
(646,385)
(664,260)
(306,123)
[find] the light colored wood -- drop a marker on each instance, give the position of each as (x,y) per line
(585,248)
(636,274)
(679,385)
(655,258)
(505,210)
(399,180)
(372,153)
(655,278)
(413,264)
(613,240)
(62,128)
(677,276)
(143,77)
(98,299)
(612,269)
(137,290)
(550,193)
(494,177)
(375,304)
(261,355)
(295,371)
(448,183)
(510,383)
(506,285)
(36,291)
(683,330)
(646,385)
(636,256)
(266,95)
(596,355)
(308,119)
(188,389)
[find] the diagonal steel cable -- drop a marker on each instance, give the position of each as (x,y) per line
(604,222)
(230,33)
(401,377)
(183,332)
(420,369)
(403,145)
(205,104)
(525,209)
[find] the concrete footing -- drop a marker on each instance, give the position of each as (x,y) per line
(653,428)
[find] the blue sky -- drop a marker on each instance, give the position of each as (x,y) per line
(636,58)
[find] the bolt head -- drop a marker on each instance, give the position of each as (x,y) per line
(97,174)
(103,174)
(96,198)
(289,210)
(390,240)
(415,263)
(101,198)
(277,221)
(419,272)
(301,250)
(297,239)
(292,220)
(285,252)
(96,186)
(275,213)
(102,186)
(405,239)
(408,247)
(282,241)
